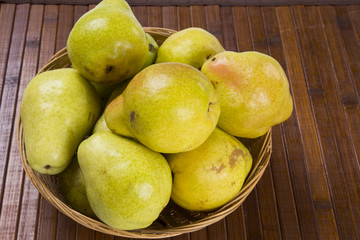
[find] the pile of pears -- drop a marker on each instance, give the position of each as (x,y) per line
(131,124)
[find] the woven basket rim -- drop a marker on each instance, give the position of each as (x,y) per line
(251,181)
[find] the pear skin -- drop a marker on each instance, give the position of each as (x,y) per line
(101,124)
(107,44)
(168,107)
(118,4)
(212,174)
(253,92)
(72,187)
(192,46)
(58,109)
(126,183)
(152,53)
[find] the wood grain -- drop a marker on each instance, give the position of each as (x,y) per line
(279,165)
(310,189)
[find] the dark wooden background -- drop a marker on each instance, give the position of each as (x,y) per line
(311,189)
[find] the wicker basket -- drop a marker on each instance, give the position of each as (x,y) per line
(173,220)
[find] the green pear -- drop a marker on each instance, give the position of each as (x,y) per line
(212,174)
(59,108)
(152,53)
(253,92)
(100,125)
(72,187)
(119,4)
(168,107)
(126,183)
(192,46)
(108,44)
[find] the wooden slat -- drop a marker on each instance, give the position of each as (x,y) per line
(198,18)
(184,18)
(65,23)
(351,44)
(345,102)
(103,236)
(12,183)
(169,14)
(315,66)
(7,13)
(213,21)
(354,14)
(227,28)
(30,195)
(278,163)
(155,16)
(241,29)
(141,15)
(84,233)
(324,214)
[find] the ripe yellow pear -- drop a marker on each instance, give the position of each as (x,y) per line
(126,183)
(59,108)
(168,107)
(72,187)
(100,125)
(108,44)
(211,175)
(192,46)
(152,53)
(253,92)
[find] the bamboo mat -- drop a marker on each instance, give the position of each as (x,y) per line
(311,189)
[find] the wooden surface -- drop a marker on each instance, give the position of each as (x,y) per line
(311,189)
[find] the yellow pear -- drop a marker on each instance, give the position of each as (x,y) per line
(108,44)
(59,108)
(211,175)
(168,107)
(192,46)
(253,92)
(127,184)
(72,187)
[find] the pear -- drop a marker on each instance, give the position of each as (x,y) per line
(126,183)
(192,46)
(108,44)
(253,92)
(100,125)
(72,187)
(168,107)
(212,174)
(152,53)
(119,4)
(58,109)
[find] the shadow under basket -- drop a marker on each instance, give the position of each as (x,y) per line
(173,220)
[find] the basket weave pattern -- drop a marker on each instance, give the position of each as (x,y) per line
(173,220)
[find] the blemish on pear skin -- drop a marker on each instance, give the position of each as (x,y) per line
(132,116)
(210,103)
(47,166)
(217,169)
(151,48)
(213,59)
(109,68)
(234,157)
